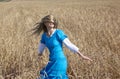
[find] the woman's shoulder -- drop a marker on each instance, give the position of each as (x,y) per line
(43,34)
(59,30)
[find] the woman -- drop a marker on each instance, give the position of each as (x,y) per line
(53,39)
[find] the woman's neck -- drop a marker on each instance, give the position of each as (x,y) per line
(50,31)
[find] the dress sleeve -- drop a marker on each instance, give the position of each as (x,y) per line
(42,45)
(61,35)
(42,39)
(41,48)
(70,45)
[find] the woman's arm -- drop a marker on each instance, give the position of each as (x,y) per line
(70,45)
(83,56)
(41,48)
(74,48)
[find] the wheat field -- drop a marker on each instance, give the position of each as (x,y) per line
(92,25)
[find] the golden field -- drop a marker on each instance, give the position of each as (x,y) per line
(92,25)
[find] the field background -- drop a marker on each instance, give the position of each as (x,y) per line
(92,25)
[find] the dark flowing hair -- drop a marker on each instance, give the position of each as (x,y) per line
(40,26)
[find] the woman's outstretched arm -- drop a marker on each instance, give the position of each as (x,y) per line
(83,56)
(74,48)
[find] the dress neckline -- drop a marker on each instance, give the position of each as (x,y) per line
(51,34)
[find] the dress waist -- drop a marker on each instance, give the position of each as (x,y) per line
(57,58)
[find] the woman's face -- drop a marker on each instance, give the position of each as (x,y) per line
(49,24)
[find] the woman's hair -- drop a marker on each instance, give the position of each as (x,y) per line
(40,26)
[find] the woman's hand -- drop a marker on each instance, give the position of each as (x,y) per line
(84,57)
(39,54)
(39,57)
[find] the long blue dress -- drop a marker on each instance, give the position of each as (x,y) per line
(57,65)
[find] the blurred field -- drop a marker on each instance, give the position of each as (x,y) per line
(92,25)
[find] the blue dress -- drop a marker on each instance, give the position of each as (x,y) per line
(57,65)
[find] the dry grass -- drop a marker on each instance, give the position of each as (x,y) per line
(94,26)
